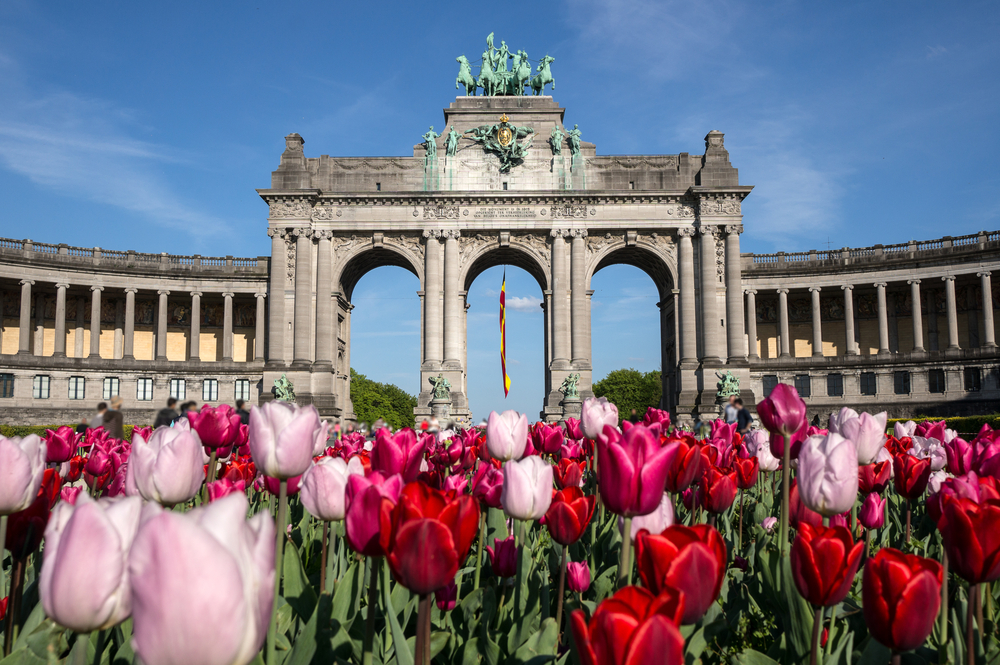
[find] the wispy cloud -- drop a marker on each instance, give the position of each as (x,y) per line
(524,303)
(935,51)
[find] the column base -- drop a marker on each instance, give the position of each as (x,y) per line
(157,357)
(297,364)
(782,356)
(884,353)
(990,345)
(817,355)
(738,361)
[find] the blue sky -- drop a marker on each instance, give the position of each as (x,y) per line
(149,125)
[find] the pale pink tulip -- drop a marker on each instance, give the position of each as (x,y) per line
(282,438)
(323,487)
(22,463)
(597,412)
(168,469)
(506,435)
(527,488)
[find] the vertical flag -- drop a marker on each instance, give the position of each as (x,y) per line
(503,334)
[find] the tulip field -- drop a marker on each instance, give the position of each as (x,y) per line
(598,542)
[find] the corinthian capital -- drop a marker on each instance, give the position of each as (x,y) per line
(709,231)
(276,232)
(734,228)
(559,233)
(686,231)
(578,233)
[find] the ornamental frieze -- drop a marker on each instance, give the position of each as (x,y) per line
(441,212)
(719,206)
(290,209)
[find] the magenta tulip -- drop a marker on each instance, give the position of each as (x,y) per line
(487,484)
(577,576)
(202,584)
(783,414)
(323,489)
(169,468)
(506,435)
(574,429)
(503,557)
(22,464)
(225,487)
(527,488)
(828,474)
(547,438)
(400,453)
(217,427)
(597,412)
(61,444)
(633,470)
(368,518)
(872,513)
(959,454)
(84,584)
(282,438)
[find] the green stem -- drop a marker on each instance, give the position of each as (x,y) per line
(817,631)
(212,461)
(970,622)
(331,556)
(279,550)
(102,638)
(562,592)
(625,564)
(943,617)
(366,650)
(423,642)
(324,554)
(479,550)
(786,476)
(78,656)
(829,637)
(517,580)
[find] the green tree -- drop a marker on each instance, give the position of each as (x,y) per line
(373,400)
(630,389)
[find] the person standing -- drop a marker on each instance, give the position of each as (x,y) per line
(729,413)
(114,423)
(98,420)
(743,417)
(166,416)
(242,412)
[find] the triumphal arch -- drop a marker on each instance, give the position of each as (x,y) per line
(506,180)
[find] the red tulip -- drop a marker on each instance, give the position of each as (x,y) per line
(910,475)
(718,490)
(217,427)
(74,468)
(633,470)
(689,559)
(569,473)
(633,627)
(3,608)
(901,596)
(971,533)
(824,562)
(686,465)
(874,477)
(569,514)
(747,472)
(370,502)
(503,557)
(432,534)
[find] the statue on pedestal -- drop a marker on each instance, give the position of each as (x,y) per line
(451,144)
(283,389)
(442,388)
(569,388)
(430,142)
(728,386)
(574,140)
(556,139)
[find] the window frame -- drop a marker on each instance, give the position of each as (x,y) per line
(41,383)
(76,388)
(115,390)
(208,386)
(6,379)
(839,380)
(177,388)
(765,380)
(977,374)
(141,382)
(933,375)
(805,379)
(238,393)
(864,377)
(906,377)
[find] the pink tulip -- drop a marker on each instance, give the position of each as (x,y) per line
(904,430)
(282,438)
(503,557)
(487,484)
(225,487)
(60,444)
(577,576)
(597,413)
(218,427)
(633,470)
(758,445)
(872,513)
(657,417)
(959,454)
(22,464)
(144,432)
(828,474)
(169,469)
(931,430)
(455,484)
(527,488)
(369,502)
(769,523)
(547,438)
(273,485)
(654,522)
(571,451)
(506,435)
(70,494)
(783,414)
(324,485)
(574,429)
(446,598)
(399,453)
(202,584)
(84,584)
(865,430)
(932,449)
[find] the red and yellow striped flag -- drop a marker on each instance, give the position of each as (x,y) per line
(503,334)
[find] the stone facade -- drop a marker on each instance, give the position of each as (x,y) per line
(80,324)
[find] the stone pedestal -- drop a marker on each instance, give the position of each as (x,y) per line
(441,409)
(572,407)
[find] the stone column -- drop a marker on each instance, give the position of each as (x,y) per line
(709,296)
(258,335)
(752,324)
(39,341)
(276,287)
(734,294)
(303,299)
(95,321)
(81,310)
(60,327)
(561,344)
(119,328)
(949,299)
(989,334)
(817,322)
(578,298)
(161,326)
(196,325)
(24,329)
(128,350)
(324,300)
(547,309)
(452,301)
(851,349)
(784,349)
(918,323)
(433,315)
(689,342)
(227,327)
(883,320)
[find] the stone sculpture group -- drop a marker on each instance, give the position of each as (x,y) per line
(494,77)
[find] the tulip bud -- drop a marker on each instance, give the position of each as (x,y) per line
(527,488)
(828,474)
(282,438)
(217,427)
(577,576)
(169,468)
(503,557)
(506,435)
(323,488)
(84,583)
(60,444)
(597,412)
(872,513)
(783,414)
(446,598)
(23,463)
(769,523)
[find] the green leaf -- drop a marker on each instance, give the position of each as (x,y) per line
(305,643)
(33,621)
(875,654)
(298,592)
(347,598)
(751,657)
(404,656)
(23,656)
(541,646)
(799,620)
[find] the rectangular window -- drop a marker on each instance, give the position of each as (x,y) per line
(178,389)
(835,385)
(210,390)
(76,387)
(6,385)
(243,389)
(40,386)
(935,380)
(112,387)
(901,383)
(869,383)
(803,384)
(144,389)
(973,379)
(770,383)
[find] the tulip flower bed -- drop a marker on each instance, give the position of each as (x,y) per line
(215,543)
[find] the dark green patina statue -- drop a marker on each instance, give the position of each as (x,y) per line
(496,79)
(509,142)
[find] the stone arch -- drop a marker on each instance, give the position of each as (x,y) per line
(359,258)
(481,256)
(653,257)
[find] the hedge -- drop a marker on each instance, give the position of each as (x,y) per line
(24,430)
(961,424)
